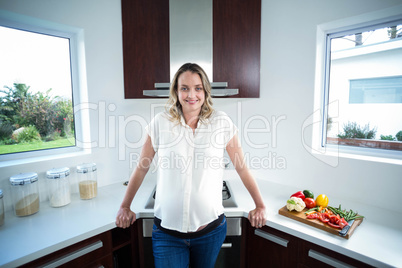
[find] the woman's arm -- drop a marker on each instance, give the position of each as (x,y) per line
(257,216)
(125,217)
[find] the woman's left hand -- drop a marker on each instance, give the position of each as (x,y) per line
(257,217)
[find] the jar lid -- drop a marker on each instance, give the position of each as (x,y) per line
(57,173)
(85,168)
(24,178)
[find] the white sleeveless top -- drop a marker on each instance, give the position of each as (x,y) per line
(190,169)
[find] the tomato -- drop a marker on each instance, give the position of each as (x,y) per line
(322,200)
(310,202)
(342,223)
(312,216)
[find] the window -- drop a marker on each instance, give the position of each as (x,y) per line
(42,89)
(36,109)
(376,90)
(363,89)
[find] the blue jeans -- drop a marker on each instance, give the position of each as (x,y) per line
(170,251)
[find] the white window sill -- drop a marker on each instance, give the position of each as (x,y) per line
(332,153)
(41,156)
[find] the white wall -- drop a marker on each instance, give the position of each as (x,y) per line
(287,91)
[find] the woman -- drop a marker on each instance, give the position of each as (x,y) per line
(189,224)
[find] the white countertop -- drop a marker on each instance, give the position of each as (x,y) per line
(377,241)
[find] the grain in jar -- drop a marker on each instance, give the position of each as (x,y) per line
(58,186)
(25,193)
(87,180)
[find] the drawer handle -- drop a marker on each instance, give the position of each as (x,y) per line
(326,259)
(74,255)
(226,245)
(272,238)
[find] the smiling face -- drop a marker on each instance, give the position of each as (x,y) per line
(190,92)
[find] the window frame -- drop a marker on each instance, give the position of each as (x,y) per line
(318,120)
(78,82)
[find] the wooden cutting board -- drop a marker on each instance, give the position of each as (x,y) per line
(299,216)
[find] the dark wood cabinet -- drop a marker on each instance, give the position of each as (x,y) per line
(264,247)
(115,248)
(125,246)
(236,45)
(87,253)
(145,45)
(312,255)
(268,247)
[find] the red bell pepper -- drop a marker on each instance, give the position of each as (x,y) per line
(299,194)
(324,217)
(312,216)
(334,219)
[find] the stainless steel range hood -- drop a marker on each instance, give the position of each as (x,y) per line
(191,41)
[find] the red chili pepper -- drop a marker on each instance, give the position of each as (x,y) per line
(299,194)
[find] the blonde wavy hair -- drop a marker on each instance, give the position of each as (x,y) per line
(173,107)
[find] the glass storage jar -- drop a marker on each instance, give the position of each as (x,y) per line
(58,186)
(87,180)
(1,208)
(25,193)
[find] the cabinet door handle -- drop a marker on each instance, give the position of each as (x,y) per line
(218,92)
(162,85)
(272,238)
(326,259)
(226,245)
(74,255)
(213,85)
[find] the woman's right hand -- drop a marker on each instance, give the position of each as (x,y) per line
(125,217)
